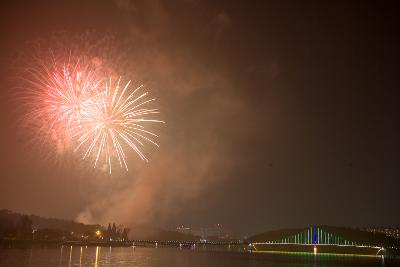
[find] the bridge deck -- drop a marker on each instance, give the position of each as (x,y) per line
(320,248)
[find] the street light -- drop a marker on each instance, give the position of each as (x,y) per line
(98,233)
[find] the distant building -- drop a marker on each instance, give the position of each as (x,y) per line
(388,231)
(215,231)
(184,229)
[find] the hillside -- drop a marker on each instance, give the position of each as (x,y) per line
(57,228)
(60,224)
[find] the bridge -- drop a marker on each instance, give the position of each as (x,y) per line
(318,239)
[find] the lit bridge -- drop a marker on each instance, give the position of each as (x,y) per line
(316,240)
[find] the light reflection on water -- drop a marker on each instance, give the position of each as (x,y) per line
(140,256)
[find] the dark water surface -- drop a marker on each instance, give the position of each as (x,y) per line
(140,256)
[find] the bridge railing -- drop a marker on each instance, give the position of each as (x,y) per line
(315,236)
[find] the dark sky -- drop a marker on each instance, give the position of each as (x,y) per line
(279,113)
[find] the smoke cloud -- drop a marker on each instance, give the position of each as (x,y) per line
(196,102)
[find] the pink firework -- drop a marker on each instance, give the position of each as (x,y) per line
(101,119)
(70,94)
(53,97)
(58,95)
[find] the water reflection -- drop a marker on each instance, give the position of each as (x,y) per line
(30,255)
(61,255)
(139,256)
(70,257)
(96,263)
(109,256)
(80,257)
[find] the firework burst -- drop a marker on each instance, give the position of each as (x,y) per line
(69,95)
(71,107)
(58,95)
(112,121)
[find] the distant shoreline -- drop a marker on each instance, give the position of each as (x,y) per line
(130,243)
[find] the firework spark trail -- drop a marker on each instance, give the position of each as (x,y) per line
(70,94)
(52,94)
(112,120)
(103,119)
(59,94)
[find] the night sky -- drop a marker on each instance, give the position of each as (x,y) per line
(278,114)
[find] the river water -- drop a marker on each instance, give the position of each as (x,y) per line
(141,256)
